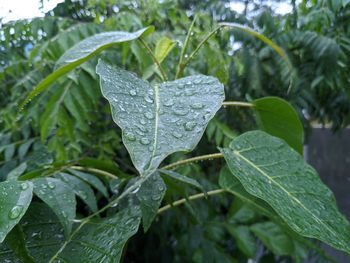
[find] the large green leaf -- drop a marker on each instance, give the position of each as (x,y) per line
(15,198)
(269,169)
(59,197)
(82,52)
(278,118)
(160,120)
(43,236)
(100,240)
(151,194)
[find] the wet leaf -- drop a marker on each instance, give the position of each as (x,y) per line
(151,194)
(182,178)
(278,118)
(101,240)
(269,169)
(160,120)
(15,198)
(59,197)
(82,52)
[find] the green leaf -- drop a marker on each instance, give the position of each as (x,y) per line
(59,197)
(15,198)
(160,120)
(278,118)
(92,180)
(15,240)
(81,189)
(43,233)
(151,194)
(19,170)
(274,238)
(163,47)
(101,240)
(269,169)
(182,178)
(82,52)
(244,238)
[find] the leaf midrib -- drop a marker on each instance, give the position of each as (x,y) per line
(285,190)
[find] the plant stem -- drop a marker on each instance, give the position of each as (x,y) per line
(237,103)
(94,170)
(184,48)
(155,60)
(192,197)
(184,64)
(194,159)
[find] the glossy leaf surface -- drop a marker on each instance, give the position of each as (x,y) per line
(15,198)
(269,169)
(160,120)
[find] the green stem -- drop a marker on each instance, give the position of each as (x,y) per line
(192,197)
(194,159)
(184,64)
(94,170)
(237,103)
(155,60)
(184,48)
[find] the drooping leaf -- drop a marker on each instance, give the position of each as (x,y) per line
(101,240)
(182,178)
(59,197)
(274,238)
(163,47)
(82,52)
(43,235)
(151,194)
(244,238)
(92,180)
(269,169)
(81,189)
(278,118)
(160,120)
(15,198)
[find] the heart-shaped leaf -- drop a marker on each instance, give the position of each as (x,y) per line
(82,52)
(269,169)
(160,120)
(15,198)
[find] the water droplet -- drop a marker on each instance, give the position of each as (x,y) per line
(189,126)
(149,98)
(161,188)
(180,111)
(143,121)
(130,136)
(24,186)
(132,92)
(51,185)
(151,148)
(144,141)
(169,103)
(197,105)
(186,55)
(177,135)
(155,197)
(82,194)
(15,212)
(149,115)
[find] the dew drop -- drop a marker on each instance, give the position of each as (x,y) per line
(51,185)
(130,136)
(149,98)
(197,105)
(189,126)
(180,111)
(15,212)
(149,115)
(24,186)
(132,92)
(143,121)
(169,103)
(144,141)
(155,197)
(177,135)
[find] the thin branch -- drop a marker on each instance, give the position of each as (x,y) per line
(155,60)
(194,159)
(192,197)
(94,170)
(184,64)
(184,48)
(238,104)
